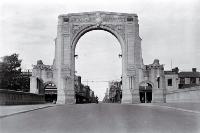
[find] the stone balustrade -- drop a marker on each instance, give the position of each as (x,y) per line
(9,97)
(191,94)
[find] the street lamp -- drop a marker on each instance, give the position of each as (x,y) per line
(76,56)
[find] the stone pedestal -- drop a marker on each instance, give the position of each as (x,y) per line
(126,96)
(136,96)
(66,98)
(60,97)
(70,97)
(33,85)
(157,96)
(66,94)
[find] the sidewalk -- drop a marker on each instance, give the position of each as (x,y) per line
(188,107)
(16,109)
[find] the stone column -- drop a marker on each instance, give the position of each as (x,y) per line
(135,92)
(33,85)
(65,64)
(66,95)
(126,92)
(60,91)
(59,62)
(157,75)
(132,62)
(69,91)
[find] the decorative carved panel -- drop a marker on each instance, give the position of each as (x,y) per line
(94,17)
(76,28)
(131,70)
(66,71)
(65,29)
(120,29)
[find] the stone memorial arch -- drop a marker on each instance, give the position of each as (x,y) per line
(71,27)
(125,28)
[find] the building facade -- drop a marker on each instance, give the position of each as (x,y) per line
(83,93)
(179,80)
(114,92)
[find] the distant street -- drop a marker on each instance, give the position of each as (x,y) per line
(102,118)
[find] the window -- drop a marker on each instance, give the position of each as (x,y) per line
(66,19)
(158,79)
(193,80)
(169,82)
(182,80)
(129,19)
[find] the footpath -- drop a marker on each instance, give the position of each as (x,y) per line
(186,107)
(9,110)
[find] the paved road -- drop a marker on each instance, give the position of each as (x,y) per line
(102,118)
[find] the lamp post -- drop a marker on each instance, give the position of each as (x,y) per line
(76,56)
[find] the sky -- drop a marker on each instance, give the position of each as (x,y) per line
(169,30)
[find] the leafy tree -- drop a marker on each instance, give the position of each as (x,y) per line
(23,82)
(10,68)
(11,72)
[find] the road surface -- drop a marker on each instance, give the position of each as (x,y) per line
(102,118)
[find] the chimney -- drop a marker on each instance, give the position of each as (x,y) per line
(176,70)
(156,62)
(79,80)
(194,69)
(39,62)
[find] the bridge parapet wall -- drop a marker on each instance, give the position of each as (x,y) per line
(9,97)
(191,94)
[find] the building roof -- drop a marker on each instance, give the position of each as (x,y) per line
(189,74)
(169,72)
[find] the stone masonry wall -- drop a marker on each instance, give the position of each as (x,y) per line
(184,95)
(9,97)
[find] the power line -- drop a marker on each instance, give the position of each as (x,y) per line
(97,81)
(94,81)
(171,63)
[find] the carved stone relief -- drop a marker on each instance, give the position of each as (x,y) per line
(66,71)
(131,70)
(65,29)
(116,23)
(77,28)
(120,29)
(93,18)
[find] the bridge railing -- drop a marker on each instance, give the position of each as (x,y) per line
(10,97)
(191,94)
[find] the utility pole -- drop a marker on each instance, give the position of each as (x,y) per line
(87,82)
(171,64)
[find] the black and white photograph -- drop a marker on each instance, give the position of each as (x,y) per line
(100,66)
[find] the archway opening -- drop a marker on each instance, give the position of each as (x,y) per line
(50,91)
(145,90)
(98,60)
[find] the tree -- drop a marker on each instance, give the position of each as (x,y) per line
(23,82)
(10,71)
